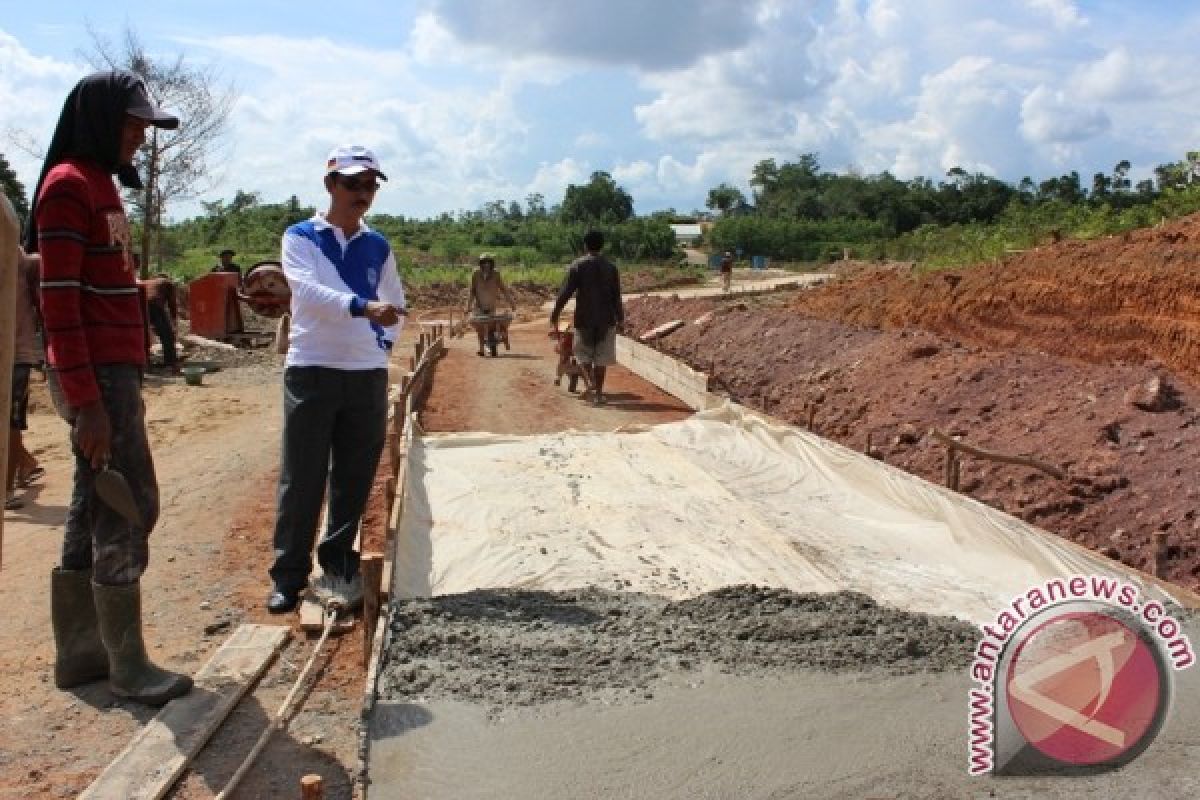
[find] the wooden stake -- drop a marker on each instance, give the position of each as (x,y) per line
(312,787)
(371,566)
(1025,461)
(951,467)
(812,414)
(1158,565)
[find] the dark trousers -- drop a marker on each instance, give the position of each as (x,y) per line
(160,320)
(97,537)
(334,422)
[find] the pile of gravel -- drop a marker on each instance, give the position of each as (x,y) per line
(506,647)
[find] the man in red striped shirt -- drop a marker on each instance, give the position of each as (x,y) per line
(95,347)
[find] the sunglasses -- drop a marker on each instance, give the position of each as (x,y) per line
(359,184)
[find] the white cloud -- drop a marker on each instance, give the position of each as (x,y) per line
(464,102)
(551,180)
(1052,117)
(633,173)
(443,147)
(32,89)
(1063,13)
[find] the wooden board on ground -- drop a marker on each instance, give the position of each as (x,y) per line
(312,618)
(661,330)
(158,754)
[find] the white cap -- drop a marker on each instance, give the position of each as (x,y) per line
(351,160)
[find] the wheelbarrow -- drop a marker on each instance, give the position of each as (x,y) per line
(564,346)
(494,328)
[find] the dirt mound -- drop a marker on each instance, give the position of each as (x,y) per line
(508,647)
(1131,298)
(1084,354)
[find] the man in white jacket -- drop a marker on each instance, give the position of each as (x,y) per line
(347,304)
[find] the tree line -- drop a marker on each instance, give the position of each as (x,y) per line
(797,211)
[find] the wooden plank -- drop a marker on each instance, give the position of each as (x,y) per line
(371,565)
(158,754)
(661,331)
(374,664)
(385,580)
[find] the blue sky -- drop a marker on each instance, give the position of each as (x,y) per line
(468,101)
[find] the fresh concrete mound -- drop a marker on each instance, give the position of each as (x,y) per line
(505,647)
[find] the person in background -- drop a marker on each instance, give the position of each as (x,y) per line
(486,289)
(347,304)
(227,264)
(162,309)
(23,468)
(96,349)
(596,285)
(727,271)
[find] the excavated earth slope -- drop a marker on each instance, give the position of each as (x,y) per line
(1080,354)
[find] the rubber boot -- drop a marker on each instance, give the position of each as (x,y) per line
(79,655)
(130,673)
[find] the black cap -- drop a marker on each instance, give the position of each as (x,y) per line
(227,253)
(140,106)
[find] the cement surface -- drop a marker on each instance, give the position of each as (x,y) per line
(653,726)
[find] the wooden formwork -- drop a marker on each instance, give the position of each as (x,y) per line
(407,397)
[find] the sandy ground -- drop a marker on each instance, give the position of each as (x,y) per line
(216,452)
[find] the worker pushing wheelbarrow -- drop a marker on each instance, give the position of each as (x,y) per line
(483,298)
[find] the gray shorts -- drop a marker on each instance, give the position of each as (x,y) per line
(601,353)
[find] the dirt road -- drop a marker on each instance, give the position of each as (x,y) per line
(216,451)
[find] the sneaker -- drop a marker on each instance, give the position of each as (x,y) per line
(334,589)
(12,503)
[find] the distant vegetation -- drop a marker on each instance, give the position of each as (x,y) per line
(800,213)
(530,241)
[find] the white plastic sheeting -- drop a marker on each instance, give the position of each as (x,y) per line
(718,499)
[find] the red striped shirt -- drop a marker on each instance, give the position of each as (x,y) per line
(90,301)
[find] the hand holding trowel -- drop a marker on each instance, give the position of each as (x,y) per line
(93,434)
(113,489)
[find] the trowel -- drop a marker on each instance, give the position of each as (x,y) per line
(113,489)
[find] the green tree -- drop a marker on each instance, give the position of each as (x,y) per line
(535,205)
(13,189)
(725,198)
(600,201)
